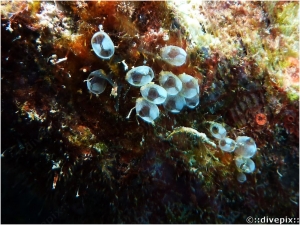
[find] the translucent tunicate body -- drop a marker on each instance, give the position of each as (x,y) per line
(170,82)
(154,93)
(241,177)
(146,110)
(227,144)
(192,102)
(173,55)
(190,86)
(217,130)
(245,165)
(246,147)
(174,103)
(139,76)
(102,45)
(97,81)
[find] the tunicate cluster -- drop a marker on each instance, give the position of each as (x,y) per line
(182,91)
(153,94)
(244,148)
(174,92)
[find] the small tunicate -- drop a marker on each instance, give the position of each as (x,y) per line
(139,76)
(102,45)
(241,177)
(190,86)
(174,103)
(146,110)
(97,81)
(217,130)
(170,82)
(246,147)
(173,55)
(192,102)
(227,144)
(245,165)
(154,93)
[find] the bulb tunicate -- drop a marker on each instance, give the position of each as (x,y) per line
(174,103)
(146,110)
(227,144)
(173,55)
(241,177)
(102,45)
(170,82)
(192,102)
(217,130)
(139,76)
(245,165)
(97,81)
(246,147)
(190,86)
(154,93)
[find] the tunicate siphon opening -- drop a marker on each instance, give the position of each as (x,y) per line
(217,130)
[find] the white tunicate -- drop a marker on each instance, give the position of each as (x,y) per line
(146,110)
(192,102)
(139,76)
(170,82)
(190,86)
(102,45)
(241,177)
(246,147)
(244,164)
(154,93)
(97,81)
(173,55)
(217,130)
(227,144)
(174,103)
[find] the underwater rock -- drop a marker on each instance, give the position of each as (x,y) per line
(58,139)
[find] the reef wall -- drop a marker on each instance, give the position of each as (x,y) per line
(70,150)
